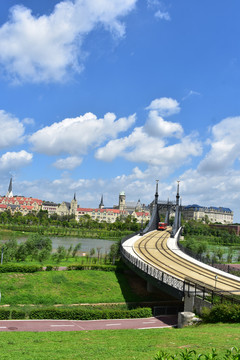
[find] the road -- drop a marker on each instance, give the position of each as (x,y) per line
(81,325)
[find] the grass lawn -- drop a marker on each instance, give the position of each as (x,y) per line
(117,344)
(65,287)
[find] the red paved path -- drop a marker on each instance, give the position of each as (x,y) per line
(78,325)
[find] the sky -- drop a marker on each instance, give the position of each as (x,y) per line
(103,96)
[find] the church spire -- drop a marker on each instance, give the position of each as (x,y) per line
(10,193)
(101,205)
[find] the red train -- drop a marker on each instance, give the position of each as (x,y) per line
(162,226)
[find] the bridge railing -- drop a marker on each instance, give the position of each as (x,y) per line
(151,270)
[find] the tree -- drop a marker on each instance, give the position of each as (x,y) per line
(219,253)
(60,254)
(21,252)
(69,250)
(76,249)
(92,252)
(114,251)
(98,252)
(36,243)
(9,250)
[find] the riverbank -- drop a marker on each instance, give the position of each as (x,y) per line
(8,230)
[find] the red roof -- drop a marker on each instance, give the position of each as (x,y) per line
(138,213)
(115,211)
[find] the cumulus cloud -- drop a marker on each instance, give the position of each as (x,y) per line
(75,136)
(149,143)
(225,146)
(165,106)
(15,160)
(69,163)
(44,48)
(140,147)
(11,130)
(156,126)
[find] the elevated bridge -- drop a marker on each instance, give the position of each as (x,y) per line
(156,257)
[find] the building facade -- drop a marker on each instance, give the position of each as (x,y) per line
(27,205)
(208,214)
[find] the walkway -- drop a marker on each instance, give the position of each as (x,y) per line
(81,325)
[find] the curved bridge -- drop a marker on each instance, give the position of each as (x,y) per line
(157,258)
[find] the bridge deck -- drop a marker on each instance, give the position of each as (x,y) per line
(153,248)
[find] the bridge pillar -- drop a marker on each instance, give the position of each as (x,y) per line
(188,302)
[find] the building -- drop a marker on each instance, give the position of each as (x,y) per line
(27,205)
(212,214)
(110,215)
(22,204)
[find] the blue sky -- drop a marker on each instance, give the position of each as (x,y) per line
(103,96)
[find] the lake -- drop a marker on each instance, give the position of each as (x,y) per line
(86,244)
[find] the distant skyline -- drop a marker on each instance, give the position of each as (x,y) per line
(99,97)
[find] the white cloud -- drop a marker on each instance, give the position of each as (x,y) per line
(45,48)
(156,126)
(149,143)
(28,121)
(219,189)
(165,106)
(163,15)
(161,12)
(69,163)
(225,146)
(11,130)
(15,160)
(140,147)
(74,136)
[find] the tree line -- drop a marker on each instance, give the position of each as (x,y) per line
(42,218)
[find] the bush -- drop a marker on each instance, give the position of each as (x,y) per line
(88,314)
(49,268)
(18,314)
(4,314)
(19,268)
(92,267)
(226,313)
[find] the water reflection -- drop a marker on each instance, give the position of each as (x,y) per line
(86,244)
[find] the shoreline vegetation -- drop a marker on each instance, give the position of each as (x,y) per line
(216,244)
(68,226)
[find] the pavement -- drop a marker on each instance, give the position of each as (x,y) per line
(87,325)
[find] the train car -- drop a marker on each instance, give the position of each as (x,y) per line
(162,226)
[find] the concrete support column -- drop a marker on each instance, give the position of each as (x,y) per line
(188,302)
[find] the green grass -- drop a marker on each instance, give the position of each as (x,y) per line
(116,344)
(65,287)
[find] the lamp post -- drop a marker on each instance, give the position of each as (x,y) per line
(216,277)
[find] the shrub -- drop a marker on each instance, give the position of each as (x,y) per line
(92,267)
(4,314)
(223,313)
(49,268)
(18,314)
(88,314)
(19,268)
